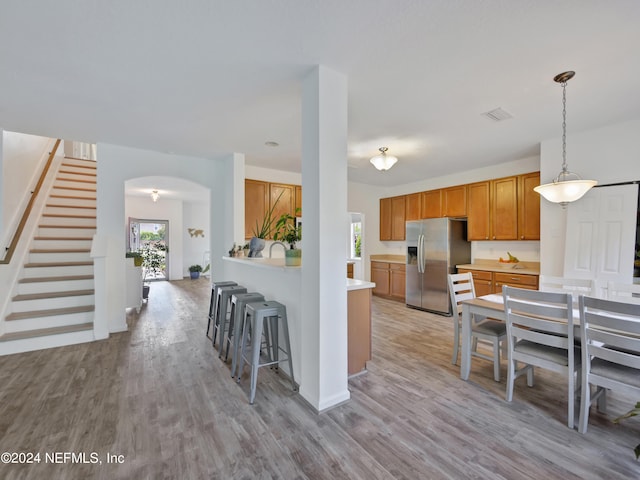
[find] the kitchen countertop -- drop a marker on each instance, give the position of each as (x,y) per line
(354,284)
(388,258)
(521,268)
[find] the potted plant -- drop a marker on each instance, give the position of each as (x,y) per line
(287,231)
(262,231)
(153,263)
(137,258)
(194,271)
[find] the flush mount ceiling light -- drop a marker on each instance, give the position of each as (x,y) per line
(155,195)
(567,186)
(383,161)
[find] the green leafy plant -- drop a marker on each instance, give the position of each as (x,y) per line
(153,258)
(631,413)
(195,268)
(264,230)
(287,230)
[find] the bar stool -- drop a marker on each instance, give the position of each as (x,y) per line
(212,302)
(255,316)
(238,303)
(222,304)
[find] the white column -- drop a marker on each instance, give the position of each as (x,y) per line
(234,200)
(324,186)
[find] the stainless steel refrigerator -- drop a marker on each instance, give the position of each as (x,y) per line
(434,247)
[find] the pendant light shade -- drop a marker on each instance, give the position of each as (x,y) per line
(567,186)
(383,161)
(155,195)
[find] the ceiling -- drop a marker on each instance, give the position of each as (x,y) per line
(210,77)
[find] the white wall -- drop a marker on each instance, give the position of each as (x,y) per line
(116,164)
(271,175)
(195,215)
(609,155)
(22,158)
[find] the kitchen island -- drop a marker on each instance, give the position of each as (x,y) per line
(275,281)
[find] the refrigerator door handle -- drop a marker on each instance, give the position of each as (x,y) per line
(421,254)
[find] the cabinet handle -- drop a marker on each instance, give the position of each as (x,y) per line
(494,237)
(515,279)
(486,238)
(522,237)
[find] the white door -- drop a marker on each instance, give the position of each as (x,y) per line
(601,235)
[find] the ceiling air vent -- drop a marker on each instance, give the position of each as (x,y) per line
(498,114)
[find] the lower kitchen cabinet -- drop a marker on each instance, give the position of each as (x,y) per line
(486,283)
(389,279)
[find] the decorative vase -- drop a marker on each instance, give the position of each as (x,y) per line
(293,257)
(256,245)
(194,275)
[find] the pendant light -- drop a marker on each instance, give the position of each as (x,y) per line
(383,161)
(155,195)
(567,186)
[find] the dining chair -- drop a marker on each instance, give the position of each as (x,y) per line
(540,334)
(492,331)
(575,286)
(610,333)
(623,292)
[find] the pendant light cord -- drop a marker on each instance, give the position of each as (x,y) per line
(564,127)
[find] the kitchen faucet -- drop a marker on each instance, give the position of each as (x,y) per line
(274,244)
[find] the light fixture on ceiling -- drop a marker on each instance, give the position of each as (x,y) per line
(383,161)
(155,195)
(567,186)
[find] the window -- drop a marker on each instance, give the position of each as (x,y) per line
(356,239)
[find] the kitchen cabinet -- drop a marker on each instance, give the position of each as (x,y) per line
(358,329)
(493,209)
(529,207)
(431,204)
(412,206)
(486,282)
(260,196)
(392,218)
(256,203)
(349,270)
(530,282)
(454,201)
(389,279)
(482,281)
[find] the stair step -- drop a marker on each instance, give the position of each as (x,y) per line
(63,238)
(78,165)
(50,313)
(86,161)
(67,221)
(66,226)
(57,264)
(60,250)
(41,296)
(42,332)
(75,180)
(87,207)
(65,278)
(66,215)
(75,189)
(73,197)
(86,268)
(71,172)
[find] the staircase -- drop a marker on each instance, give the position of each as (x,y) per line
(54,305)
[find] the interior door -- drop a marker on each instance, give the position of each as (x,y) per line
(601,232)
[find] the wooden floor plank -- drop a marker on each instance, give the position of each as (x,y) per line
(159,395)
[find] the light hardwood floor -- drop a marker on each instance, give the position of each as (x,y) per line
(159,396)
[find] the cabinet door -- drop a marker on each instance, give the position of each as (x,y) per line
(298,205)
(380,276)
(529,207)
(256,202)
(431,204)
(385,219)
(412,206)
(478,211)
(397,218)
(397,279)
(504,208)
(454,201)
(482,281)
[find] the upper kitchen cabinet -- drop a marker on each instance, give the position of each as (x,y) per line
(529,203)
(431,203)
(298,206)
(454,201)
(392,218)
(504,209)
(412,206)
(256,202)
(260,196)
